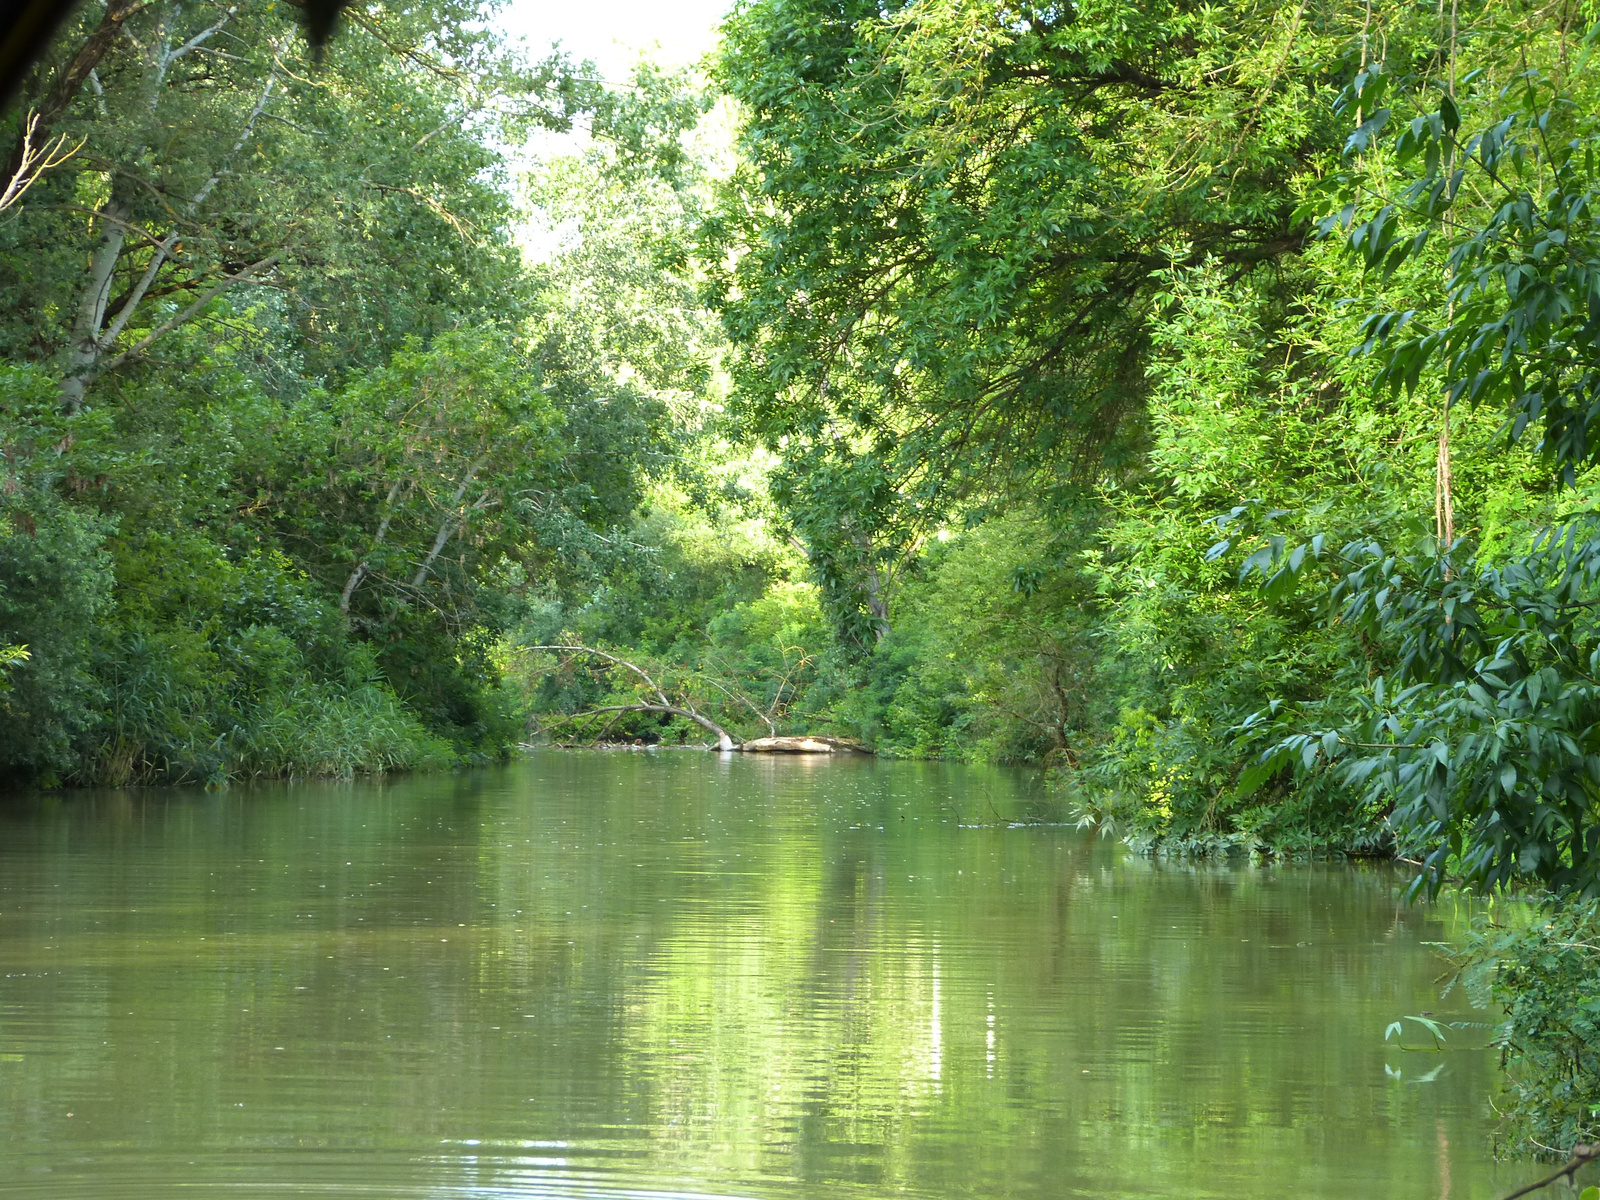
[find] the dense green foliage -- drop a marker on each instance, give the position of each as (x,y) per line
(1544,968)
(1196,296)
(293,434)
(1197,401)
(1479,727)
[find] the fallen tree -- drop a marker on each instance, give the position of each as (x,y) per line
(656,699)
(661,704)
(807,743)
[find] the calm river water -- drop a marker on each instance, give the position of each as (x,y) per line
(667,974)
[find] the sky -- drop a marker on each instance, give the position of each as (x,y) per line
(613,33)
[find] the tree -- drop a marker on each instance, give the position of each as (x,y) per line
(322,435)
(949,232)
(1480,734)
(218,163)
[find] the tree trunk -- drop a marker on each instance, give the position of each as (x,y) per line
(876,604)
(360,571)
(724,742)
(83,353)
(453,520)
(92,339)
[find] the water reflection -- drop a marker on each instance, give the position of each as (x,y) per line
(677,975)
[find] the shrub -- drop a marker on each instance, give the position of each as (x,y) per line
(55,583)
(318,730)
(1544,968)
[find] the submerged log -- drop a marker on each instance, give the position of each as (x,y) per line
(805,744)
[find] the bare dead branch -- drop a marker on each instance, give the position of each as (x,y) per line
(747,702)
(666,706)
(724,742)
(1581,1153)
(611,658)
(35,157)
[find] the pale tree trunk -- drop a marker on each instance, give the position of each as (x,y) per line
(1444,506)
(724,742)
(83,353)
(92,339)
(661,704)
(360,571)
(871,582)
(876,604)
(454,519)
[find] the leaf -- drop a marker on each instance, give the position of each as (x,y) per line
(1449,114)
(1366,133)
(1258,561)
(1253,776)
(1432,1026)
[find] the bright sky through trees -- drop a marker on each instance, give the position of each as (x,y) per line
(614,32)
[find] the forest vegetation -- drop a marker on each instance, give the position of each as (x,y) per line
(1196,401)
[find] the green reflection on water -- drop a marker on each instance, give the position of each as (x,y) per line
(594,975)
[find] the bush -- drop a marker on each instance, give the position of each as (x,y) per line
(55,582)
(1544,968)
(317,730)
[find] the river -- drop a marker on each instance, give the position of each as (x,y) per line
(649,975)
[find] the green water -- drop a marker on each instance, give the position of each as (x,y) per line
(640,975)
